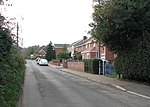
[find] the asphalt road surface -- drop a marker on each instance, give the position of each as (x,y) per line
(50,87)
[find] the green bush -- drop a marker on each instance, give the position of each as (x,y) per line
(11,77)
(128,36)
(92,65)
(134,64)
(63,55)
(12,67)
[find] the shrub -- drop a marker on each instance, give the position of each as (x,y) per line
(5,42)
(11,76)
(128,36)
(134,65)
(12,67)
(63,55)
(92,65)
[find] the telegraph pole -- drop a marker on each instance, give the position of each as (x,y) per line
(17,35)
(99,1)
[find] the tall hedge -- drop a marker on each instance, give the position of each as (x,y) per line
(92,65)
(11,77)
(5,42)
(135,63)
(12,67)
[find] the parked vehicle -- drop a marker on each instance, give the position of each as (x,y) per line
(43,62)
(38,60)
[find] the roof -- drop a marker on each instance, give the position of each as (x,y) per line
(76,42)
(91,39)
(60,45)
(81,42)
(93,49)
(42,50)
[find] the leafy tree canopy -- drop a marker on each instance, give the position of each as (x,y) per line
(5,40)
(31,50)
(65,47)
(12,67)
(63,55)
(50,52)
(121,24)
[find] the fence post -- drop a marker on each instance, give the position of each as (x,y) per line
(103,67)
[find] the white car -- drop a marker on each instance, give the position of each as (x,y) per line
(43,62)
(38,60)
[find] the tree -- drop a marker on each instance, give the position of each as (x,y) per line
(118,22)
(12,66)
(5,40)
(65,47)
(123,27)
(63,55)
(50,52)
(31,50)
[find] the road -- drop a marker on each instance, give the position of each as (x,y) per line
(50,87)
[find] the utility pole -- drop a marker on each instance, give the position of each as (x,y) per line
(17,35)
(99,1)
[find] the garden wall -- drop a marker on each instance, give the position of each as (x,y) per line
(79,66)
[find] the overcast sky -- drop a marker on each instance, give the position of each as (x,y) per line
(59,21)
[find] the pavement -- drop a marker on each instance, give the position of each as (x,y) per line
(131,87)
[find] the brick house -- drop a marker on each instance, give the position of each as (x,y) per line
(73,47)
(59,47)
(88,48)
(42,53)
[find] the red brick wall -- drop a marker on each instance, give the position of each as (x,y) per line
(91,45)
(109,55)
(80,48)
(93,55)
(79,66)
(56,62)
(84,47)
(58,50)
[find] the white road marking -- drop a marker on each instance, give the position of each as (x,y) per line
(139,94)
(118,87)
(131,92)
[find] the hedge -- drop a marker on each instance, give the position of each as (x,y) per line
(92,65)
(134,64)
(11,76)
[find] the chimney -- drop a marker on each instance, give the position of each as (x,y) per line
(84,37)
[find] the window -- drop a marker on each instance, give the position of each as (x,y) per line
(86,46)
